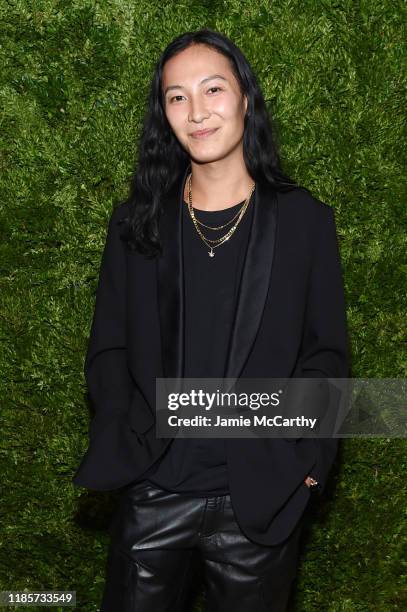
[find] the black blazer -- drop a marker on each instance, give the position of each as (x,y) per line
(290,321)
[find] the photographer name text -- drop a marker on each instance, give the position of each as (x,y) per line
(241,421)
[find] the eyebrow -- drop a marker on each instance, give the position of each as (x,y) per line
(209,78)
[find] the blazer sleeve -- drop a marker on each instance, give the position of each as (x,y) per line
(325,341)
(106,372)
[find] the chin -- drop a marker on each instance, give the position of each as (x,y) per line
(205,157)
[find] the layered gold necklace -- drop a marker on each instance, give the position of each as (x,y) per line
(218,241)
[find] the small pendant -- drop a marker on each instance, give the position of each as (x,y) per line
(211,253)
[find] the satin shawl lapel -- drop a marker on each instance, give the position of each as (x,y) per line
(170,282)
(254,281)
(252,290)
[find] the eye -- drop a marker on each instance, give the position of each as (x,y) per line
(173,98)
(215,87)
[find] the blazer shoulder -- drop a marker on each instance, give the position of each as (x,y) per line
(304,205)
(120,211)
(117,221)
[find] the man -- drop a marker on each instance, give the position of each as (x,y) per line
(247,284)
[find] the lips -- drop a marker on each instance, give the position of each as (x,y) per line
(203,133)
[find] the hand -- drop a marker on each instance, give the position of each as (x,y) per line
(308,481)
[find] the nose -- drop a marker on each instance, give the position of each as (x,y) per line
(197,111)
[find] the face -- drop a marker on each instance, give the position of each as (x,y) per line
(197,100)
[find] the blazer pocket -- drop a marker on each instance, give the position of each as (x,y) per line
(140,416)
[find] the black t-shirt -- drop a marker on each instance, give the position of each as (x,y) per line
(198,466)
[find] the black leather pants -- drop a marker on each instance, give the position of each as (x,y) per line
(153,535)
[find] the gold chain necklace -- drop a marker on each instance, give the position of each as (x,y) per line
(219,227)
(217,242)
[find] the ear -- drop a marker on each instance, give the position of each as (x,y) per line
(245,104)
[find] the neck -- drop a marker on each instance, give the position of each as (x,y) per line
(218,185)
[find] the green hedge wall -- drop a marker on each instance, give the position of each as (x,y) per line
(74,81)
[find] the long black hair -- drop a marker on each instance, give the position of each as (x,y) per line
(161,158)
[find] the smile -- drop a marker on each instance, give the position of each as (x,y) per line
(203,133)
